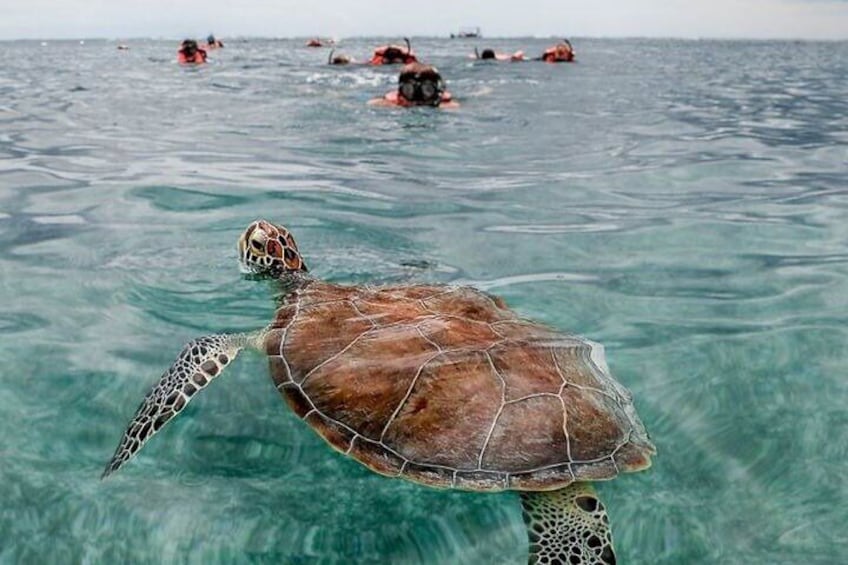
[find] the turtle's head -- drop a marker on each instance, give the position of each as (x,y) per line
(269,249)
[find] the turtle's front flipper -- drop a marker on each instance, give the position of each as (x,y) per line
(567,526)
(200,361)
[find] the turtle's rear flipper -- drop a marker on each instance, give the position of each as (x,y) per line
(200,361)
(568,526)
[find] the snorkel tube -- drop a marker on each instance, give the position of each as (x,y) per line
(571,53)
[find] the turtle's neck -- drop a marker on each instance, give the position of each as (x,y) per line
(290,282)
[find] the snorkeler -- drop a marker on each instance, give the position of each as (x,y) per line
(339,59)
(318,42)
(190,54)
(393,55)
(560,53)
(418,85)
(490,55)
(213,43)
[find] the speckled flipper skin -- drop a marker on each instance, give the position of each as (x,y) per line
(567,527)
(200,361)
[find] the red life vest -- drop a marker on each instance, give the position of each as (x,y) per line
(197,59)
(552,56)
(379,57)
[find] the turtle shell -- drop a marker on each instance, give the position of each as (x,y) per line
(448,387)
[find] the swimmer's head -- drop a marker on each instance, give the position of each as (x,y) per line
(564,48)
(393,55)
(338,59)
(188,47)
(421,85)
(487,54)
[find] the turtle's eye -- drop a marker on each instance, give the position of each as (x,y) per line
(255,245)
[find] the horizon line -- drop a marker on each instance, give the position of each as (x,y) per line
(448,37)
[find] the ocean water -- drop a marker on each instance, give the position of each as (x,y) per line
(684,203)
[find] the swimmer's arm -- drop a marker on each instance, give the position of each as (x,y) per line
(382,102)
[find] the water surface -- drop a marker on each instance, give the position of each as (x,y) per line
(682,202)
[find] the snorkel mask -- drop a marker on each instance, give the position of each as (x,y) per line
(422,87)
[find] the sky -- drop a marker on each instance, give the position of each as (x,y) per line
(755,19)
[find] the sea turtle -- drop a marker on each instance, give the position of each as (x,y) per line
(440,385)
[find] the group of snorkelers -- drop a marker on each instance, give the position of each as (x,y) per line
(562,52)
(418,84)
(423,85)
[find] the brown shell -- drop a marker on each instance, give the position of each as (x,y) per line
(448,387)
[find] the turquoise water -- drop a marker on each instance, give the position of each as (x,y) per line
(684,203)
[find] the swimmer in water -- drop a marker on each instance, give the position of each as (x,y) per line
(418,85)
(213,43)
(190,54)
(490,55)
(339,59)
(562,52)
(394,55)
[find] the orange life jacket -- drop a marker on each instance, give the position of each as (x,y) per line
(379,57)
(552,56)
(197,59)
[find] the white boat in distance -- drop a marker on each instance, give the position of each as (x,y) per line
(467,32)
